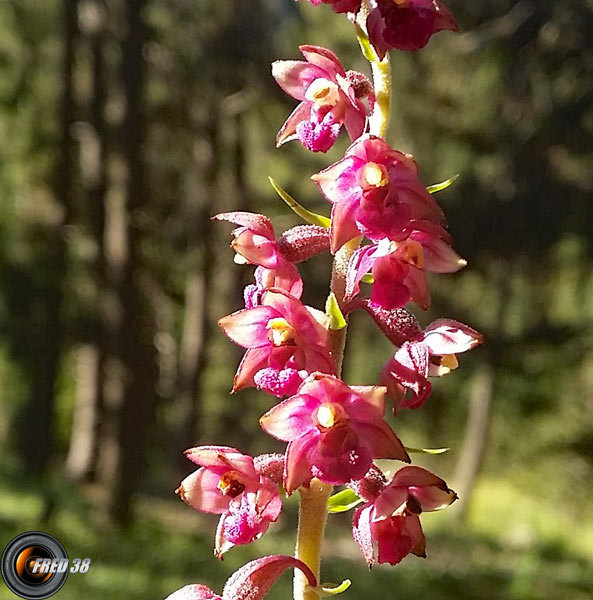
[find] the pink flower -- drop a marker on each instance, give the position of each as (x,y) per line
(390,518)
(399,268)
(255,242)
(251,582)
(430,354)
(334,431)
(407,24)
(375,191)
(285,341)
(228,484)
(328,99)
(340,6)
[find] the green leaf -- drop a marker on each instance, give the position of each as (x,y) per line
(368,278)
(365,45)
(300,210)
(331,589)
(437,187)
(333,311)
(343,501)
(427,450)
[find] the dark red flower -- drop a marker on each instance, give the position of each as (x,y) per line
(407,24)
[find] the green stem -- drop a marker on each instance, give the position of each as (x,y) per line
(312,519)
(379,121)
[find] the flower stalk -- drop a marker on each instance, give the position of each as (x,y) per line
(311,530)
(379,120)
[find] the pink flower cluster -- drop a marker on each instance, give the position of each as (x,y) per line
(392,233)
(402,24)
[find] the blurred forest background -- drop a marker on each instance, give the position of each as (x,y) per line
(126,124)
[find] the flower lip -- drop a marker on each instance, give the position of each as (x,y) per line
(230,484)
(323,92)
(374,175)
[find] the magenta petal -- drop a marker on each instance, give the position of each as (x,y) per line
(290,419)
(439,257)
(295,76)
(221,456)
(254,580)
(340,456)
(355,120)
(343,224)
(269,503)
(324,59)
(193,592)
(200,491)
(433,497)
(253,361)
(446,336)
(382,441)
(248,327)
(285,277)
(288,131)
(257,223)
(257,249)
(393,541)
(299,456)
(376,29)
(361,531)
(391,500)
(417,284)
(359,265)
(338,182)
(389,289)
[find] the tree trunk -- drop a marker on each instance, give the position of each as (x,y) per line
(135,333)
(476,434)
(82,461)
(37,436)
